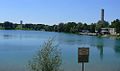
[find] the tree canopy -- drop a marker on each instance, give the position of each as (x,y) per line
(69,27)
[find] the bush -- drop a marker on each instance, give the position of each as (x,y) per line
(47,59)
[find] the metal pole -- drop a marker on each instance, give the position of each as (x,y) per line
(82,66)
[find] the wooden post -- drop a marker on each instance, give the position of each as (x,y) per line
(82,66)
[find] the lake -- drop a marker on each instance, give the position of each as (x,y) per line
(17,47)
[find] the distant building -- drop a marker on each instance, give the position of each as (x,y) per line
(85,31)
(104,31)
(110,31)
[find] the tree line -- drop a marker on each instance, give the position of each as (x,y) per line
(69,27)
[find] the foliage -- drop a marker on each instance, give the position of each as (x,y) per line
(69,27)
(8,25)
(92,27)
(101,24)
(116,24)
(18,27)
(47,59)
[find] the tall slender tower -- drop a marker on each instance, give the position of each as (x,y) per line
(21,22)
(102,15)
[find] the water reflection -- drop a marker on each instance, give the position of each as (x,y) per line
(6,36)
(117,49)
(117,46)
(100,46)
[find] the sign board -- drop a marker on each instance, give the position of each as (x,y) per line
(83,55)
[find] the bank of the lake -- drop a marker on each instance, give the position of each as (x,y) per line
(116,36)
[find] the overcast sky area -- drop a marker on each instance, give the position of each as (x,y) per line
(55,11)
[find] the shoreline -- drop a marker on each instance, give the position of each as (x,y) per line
(117,36)
(102,36)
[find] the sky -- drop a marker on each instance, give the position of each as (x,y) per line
(55,11)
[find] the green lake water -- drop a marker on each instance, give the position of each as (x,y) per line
(18,47)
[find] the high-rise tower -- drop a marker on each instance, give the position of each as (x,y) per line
(21,22)
(102,14)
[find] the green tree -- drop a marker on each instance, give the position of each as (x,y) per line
(28,26)
(55,28)
(101,24)
(18,27)
(73,29)
(92,28)
(116,24)
(47,59)
(79,27)
(69,26)
(1,26)
(85,26)
(8,25)
(61,27)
